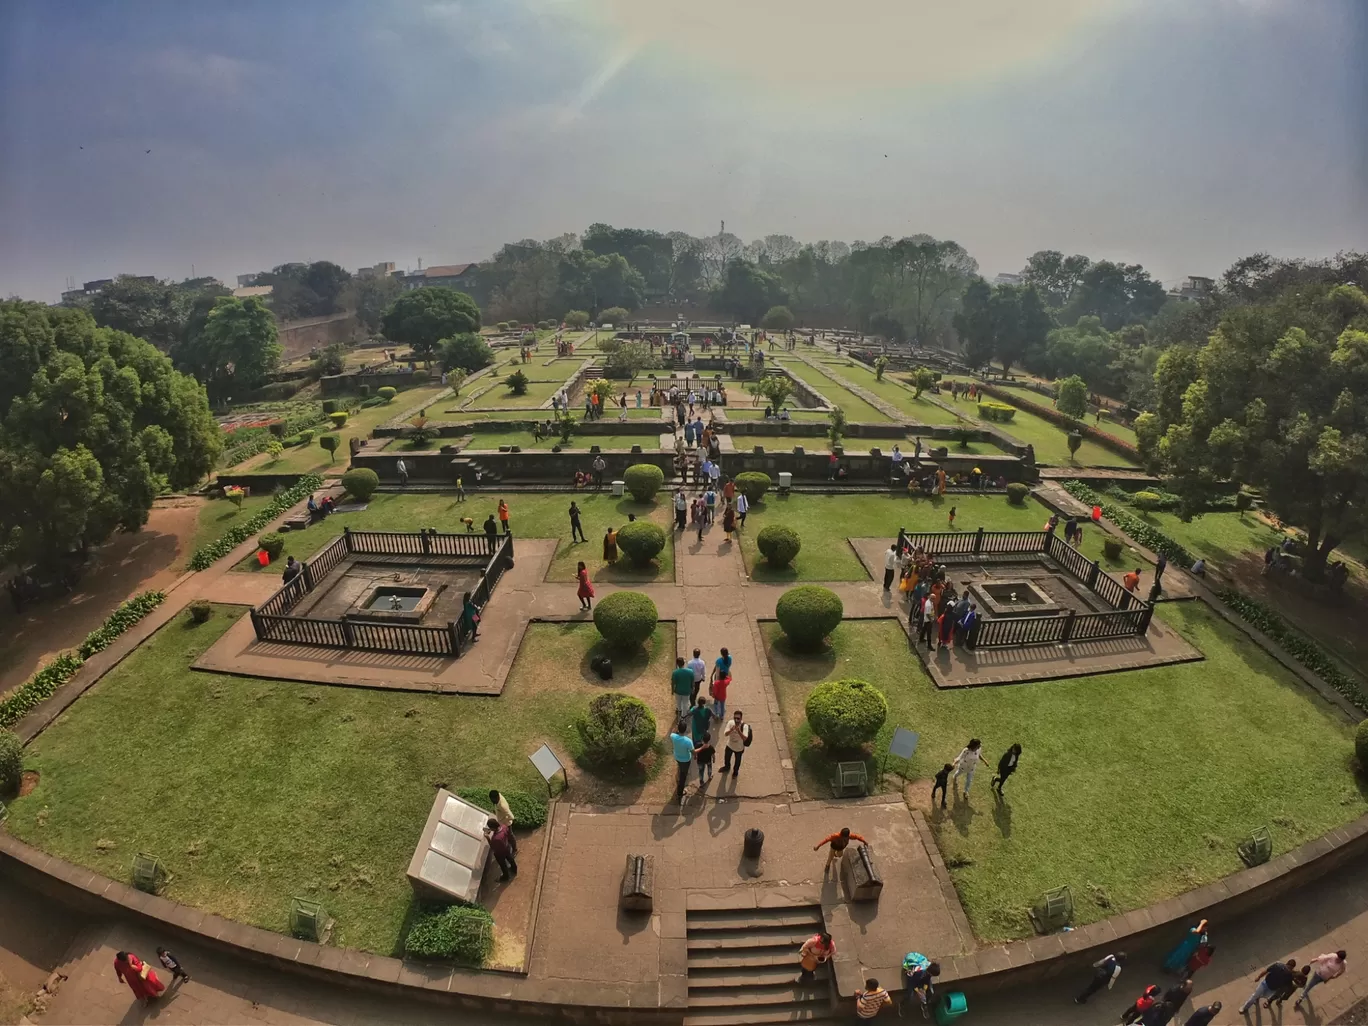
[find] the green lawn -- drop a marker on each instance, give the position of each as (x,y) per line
(219,515)
(1221,538)
(856,409)
(747,412)
(494,439)
(302,459)
(253,792)
(824,522)
(890,389)
(1133,787)
(538,393)
(530,516)
(1052,443)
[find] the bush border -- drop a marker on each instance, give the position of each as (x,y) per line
(1118,446)
(206,555)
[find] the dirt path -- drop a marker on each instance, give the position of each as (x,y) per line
(151,558)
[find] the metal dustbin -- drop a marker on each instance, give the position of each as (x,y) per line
(951,1007)
(618,488)
(785,480)
(754,841)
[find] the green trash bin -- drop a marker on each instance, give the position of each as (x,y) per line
(950,1008)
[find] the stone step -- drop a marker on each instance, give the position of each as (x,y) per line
(763,995)
(759,937)
(778,954)
(737,1015)
(751,918)
(784,974)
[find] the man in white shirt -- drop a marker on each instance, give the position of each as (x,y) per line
(897,455)
(890,566)
(736,735)
(742,507)
(700,670)
(681,508)
(401,468)
(928,626)
(715,473)
(1322,969)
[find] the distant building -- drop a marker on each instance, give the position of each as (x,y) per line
(247,291)
(1193,287)
(244,280)
(456,276)
(381,270)
(92,287)
(1007,279)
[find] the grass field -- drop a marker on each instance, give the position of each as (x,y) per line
(538,393)
(856,409)
(494,439)
(1052,443)
(530,516)
(1220,538)
(824,522)
(919,408)
(219,515)
(747,412)
(253,792)
(1133,787)
(1111,426)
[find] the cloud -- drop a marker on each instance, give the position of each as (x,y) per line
(216,73)
(598,80)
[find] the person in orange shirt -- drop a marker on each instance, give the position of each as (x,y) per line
(1132,580)
(503,515)
(839,842)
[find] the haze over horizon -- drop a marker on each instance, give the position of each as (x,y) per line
(145,137)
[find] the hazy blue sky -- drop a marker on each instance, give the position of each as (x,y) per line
(1179,133)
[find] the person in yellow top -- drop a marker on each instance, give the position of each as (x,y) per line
(872,1000)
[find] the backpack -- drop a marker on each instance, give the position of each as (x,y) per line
(913,961)
(746,736)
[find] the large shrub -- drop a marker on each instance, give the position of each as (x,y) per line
(11,762)
(1017,492)
(642,541)
(517,383)
(329,443)
(339,419)
(846,714)
(625,618)
(753,484)
(529,810)
(361,483)
(386,392)
(1361,745)
(1111,548)
(1147,501)
(615,315)
(644,480)
(778,544)
(808,614)
(1000,412)
(617,729)
(272,543)
(463,933)
(576,319)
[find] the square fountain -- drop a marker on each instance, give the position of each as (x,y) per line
(1013,598)
(394,603)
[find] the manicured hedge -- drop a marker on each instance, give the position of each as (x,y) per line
(1296,644)
(11,762)
(626,618)
(808,614)
(462,933)
(529,810)
(753,484)
(272,543)
(846,714)
(1146,535)
(1361,745)
(386,392)
(206,555)
(44,684)
(641,540)
(617,729)
(1000,412)
(1116,445)
(778,544)
(1017,492)
(361,483)
(643,480)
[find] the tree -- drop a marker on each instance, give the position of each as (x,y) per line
(1087,351)
(465,352)
(371,297)
(777,318)
(775,389)
(157,311)
(748,291)
(1054,275)
(1118,294)
(1071,397)
(1075,441)
(975,324)
(516,383)
(234,350)
(421,318)
(576,320)
(836,425)
(330,443)
(916,281)
(922,379)
(613,315)
(330,360)
(629,358)
(1004,310)
(94,423)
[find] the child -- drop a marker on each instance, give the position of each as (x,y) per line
(952,518)
(172,963)
(942,782)
(703,752)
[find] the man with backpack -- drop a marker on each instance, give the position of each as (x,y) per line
(738,737)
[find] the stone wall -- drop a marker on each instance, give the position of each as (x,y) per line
(298,337)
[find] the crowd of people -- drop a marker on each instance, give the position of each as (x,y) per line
(693,741)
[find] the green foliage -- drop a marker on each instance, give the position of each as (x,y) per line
(330,443)
(1243,500)
(615,315)
(361,483)
(643,480)
(529,810)
(370,297)
(1071,397)
(576,320)
(836,425)
(1111,548)
(1017,493)
(330,406)
(422,318)
(846,714)
(601,387)
(338,419)
(466,352)
(778,544)
(206,555)
(641,540)
(275,448)
(1297,645)
(1140,531)
(272,543)
(386,392)
(808,613)
(503,326)
(234,350)
(158,311)
(630,358)
(773,388)
(1147,501)
(748,290)
(460,933)
(617,729)
(566,425)
(11,762)
(753,484)
(1074,440)
(880,365)
(201,610)
(235,495)
(516,383)
(777,318)
(1000,412)
(1361,745)
(922,379)
(625,619)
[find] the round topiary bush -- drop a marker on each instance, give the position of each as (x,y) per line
(11,762)
(642,541)
(778,544)
(808,614)
(273,544)
(753,484)
(361,483)
(644,480)
(201,610)
(1146,501)
(625,618)
(1111,548)
(339,419)
(617,729)
(386,392)
(1361,745)
(846,714)
(1243,500)
(1017,492)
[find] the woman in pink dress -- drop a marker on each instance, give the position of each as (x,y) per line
(141,980)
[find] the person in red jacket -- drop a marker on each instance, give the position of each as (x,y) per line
(839,842)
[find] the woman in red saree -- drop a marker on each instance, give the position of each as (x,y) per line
(585,591)
(141,980)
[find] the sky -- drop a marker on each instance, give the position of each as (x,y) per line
(161,138)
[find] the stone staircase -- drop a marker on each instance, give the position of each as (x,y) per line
(743,967)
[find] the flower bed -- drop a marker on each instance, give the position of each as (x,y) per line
(43,684)
(205,555)
(1116,445)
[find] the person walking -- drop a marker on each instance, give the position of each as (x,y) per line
(742,508)
(470,618)
(139,976)
(683,754)
(928,623)
(1177,959)
(718,691)
(401,468)
(1105,972)
(737,737)
(1131,582)
(1201,958)
(890,566)
(871,1000)
(816,950)
(1006,767)
(682,687)
(1323,969)
(500,838)
(610,547)
(600,465)
(681,508)
(703,753)
(585,591)
(1147,1000)
(919,982)
(503,516)
(839,842)
(173,966)
(1205,1015)
(576,527)
(942,783)
(700,719)
(722,664)
(951,519)
(491,530)
(729,520)
(700,671)
(1270,981)
(502,812)
(1177,996)
(1159,567)
(460,489)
